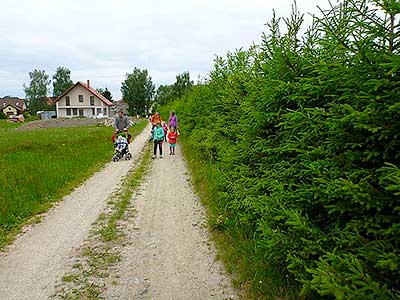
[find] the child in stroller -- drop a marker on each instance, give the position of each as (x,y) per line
(121,146)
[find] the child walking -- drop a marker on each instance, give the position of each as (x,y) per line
(172,138)
(158,138)
(165,127)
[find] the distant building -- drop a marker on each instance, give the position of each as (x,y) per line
(51,101)
(12,105)
(81,100)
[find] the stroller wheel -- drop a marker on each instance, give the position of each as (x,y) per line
(115,159)
(128,156)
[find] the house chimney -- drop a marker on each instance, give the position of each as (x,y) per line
(88,85)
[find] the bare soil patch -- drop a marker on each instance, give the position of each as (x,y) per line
(59,123)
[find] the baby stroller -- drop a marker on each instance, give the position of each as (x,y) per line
(151,135)
(121,147)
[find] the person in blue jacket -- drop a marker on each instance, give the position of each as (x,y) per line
(158,138)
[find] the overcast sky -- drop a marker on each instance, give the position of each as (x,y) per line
(102,40)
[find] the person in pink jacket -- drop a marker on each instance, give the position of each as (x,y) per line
(173,120)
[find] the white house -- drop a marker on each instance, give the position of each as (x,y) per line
(82,100)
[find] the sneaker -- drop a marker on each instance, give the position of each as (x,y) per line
(153,156)
(160,156)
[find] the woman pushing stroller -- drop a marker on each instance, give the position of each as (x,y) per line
(121,143)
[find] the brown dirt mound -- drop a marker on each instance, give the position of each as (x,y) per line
(59,123)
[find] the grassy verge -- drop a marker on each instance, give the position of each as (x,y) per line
(122,199)
(91,267)
(253,277)
(39,167)
(233,248)
(5,124)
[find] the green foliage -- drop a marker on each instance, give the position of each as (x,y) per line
(182,84)
(301,138)
(6,126)
(137,90)
(36,92)
(61,81)
(106,93)
(2,116)
(168,93)
(165,94)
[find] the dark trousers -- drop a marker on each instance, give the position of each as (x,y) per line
(159,145)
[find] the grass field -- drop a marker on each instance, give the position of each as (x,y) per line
(39,167)
(5,126)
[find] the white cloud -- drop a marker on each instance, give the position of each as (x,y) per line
(101,40)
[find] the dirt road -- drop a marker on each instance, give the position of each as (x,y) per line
(167,256)
(170,256)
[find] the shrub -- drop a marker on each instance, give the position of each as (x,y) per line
(2,116)
(303,137)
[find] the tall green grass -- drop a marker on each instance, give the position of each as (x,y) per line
(39,167)
(5,125)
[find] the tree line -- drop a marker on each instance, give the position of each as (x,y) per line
(138,89)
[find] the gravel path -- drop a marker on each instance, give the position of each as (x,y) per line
(31,265)
(169,254)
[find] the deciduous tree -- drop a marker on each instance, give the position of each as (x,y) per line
(138,90)
(165,94)
(106,93)
(36,91)
(61,81)
(182,84)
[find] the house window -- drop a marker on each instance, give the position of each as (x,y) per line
(81,112)
(67,103)
(91,100)
(75,111)
(105,111)
(68,111)
(93,111)
(98,110)
(80,98)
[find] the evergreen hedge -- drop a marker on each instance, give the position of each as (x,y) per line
(303,135)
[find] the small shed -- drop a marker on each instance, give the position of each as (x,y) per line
(46,115)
